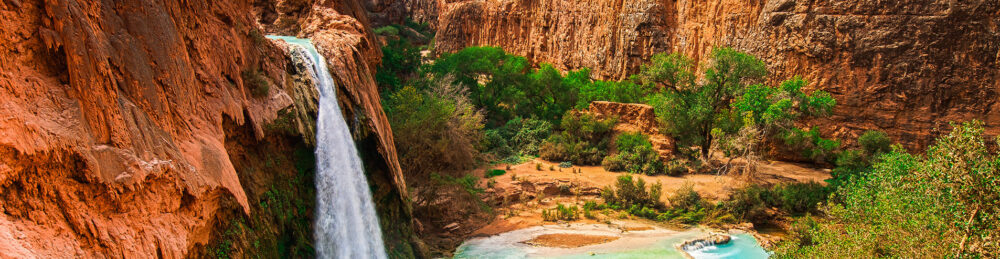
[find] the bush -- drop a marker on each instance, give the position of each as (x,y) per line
(635,155)
(629,191)
(435,130)
(854,162)
(875,142)
(810,145)
(624,92)
(939,204)
(518,137)
(494,173)
(561,212)
(750,203)
(799,198)
(400,61)
(584,139)
(686,198)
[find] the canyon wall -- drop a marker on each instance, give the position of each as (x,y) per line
(147,128)
(906,67)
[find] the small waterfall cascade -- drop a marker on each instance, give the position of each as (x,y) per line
(346,225)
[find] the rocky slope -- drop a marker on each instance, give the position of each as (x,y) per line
(147,128)
(905,66)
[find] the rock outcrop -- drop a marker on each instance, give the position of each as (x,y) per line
(128,127)
(112,137)
(906,67)
(635,117)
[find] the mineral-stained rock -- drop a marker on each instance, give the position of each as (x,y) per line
(906,67)
(111,142)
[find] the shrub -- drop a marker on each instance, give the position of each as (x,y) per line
(635,155)
(435,130)
(810,145)
(561,212)
(387,31)
(875,142)
(629,191)
(518,137)
(494,173)
(624,92)
(799,198)
(686,198)
(584,139)
(750,203)
(935,205)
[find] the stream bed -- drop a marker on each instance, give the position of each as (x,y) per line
(652,243)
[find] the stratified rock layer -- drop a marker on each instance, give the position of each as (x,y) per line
(906,67)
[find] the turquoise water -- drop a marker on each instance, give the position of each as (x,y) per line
(743,246)
(501,247)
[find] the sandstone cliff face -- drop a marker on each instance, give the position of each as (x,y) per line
(113,141)
(112,138)
(906,67)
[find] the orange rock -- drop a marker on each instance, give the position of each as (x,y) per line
(906,67)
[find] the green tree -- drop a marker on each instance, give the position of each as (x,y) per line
(728,103)
(940,204)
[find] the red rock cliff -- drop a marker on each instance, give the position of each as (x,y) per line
(113,142)
(905,66)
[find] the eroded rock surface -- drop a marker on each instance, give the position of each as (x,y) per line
(906,67)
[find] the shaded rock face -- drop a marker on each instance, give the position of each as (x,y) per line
(112,135)
(642,116)
(906,67)
(128,127)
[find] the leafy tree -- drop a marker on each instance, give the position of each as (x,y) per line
(728,104)
(400,61)
(434,130)
(853,162)
(940,204)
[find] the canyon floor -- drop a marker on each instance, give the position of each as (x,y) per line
(520,195)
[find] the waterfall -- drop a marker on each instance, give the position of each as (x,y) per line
(346,225)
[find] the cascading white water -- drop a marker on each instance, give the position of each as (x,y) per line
(346,225)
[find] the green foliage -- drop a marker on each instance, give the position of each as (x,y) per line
(561,212)
(254,80)
(629,191)
(613,91)
(672,71)
(875,142)
(810,145)
(727,102)
(635,155)
(584,139)
(494,173)
(940,204)
(388,30)
(518,137)
(506,87)
(799,198)
(853,162)
(434,130)
(686,198)
(400,61)
(751,203)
